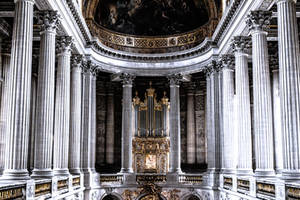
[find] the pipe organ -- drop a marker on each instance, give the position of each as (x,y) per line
(151,133)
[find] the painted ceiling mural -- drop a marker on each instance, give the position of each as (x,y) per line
(151,17)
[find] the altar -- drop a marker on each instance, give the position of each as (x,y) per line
(151,141)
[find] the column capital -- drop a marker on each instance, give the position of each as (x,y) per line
(241,44)
(227,61)
(76,61)
(30,1)
(282,1)
(48,19)
(258,20)
(64,44)
(175,79)
(127,79)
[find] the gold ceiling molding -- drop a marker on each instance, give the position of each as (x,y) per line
(146,44)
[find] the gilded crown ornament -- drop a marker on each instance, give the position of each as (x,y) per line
(259,19)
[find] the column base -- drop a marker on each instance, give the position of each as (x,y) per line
(61,172)
(245,172)
(264,173)
(290,175)
(175,171)
(228,171)
(75,171)
(11,174)
(42,173)
(126,171)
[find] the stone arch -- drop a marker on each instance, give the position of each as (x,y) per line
(111,196)
(191,196)
(140,197)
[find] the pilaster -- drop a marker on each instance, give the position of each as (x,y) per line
(191,133)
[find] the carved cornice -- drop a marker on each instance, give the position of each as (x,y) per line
(64,44)
(48,19)
(241,44)
(127,79)
(175,79)
(259,20)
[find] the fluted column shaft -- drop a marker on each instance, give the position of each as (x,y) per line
(276,125)
(127,124)
(175,150)
(86,121)
(209,128)
(62,108)
(45,97)
(75,116)
(110,130)
(4,102)
(243,106)
(93,121)
(263,124)
(289,72)
(229,137)
(191,133)
(19,85)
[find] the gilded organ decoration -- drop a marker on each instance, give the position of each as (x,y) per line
(151,133)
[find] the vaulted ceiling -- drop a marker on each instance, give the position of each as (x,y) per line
(152,17)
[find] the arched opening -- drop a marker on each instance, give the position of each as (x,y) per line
(193,197)
(110,197)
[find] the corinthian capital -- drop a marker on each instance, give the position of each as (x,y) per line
(48,19)
(227,61)
(175,79)
(76,61)
(127,79)
(259,20)
(64,44)
(241,44)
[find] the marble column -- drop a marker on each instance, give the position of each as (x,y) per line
(19,82)
(175,157)
(110,125)
(289,77)
(191,133)
(86,120)
(127,123)
(208,112)
(93,119)
(4,102)
(262,99)
(45,96)
(229,137)
(240,45)
(62,107)
(276,114)
(75,114)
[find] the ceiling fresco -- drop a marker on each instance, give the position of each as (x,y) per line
(151,17)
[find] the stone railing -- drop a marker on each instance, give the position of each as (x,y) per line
(154,178)
(42,189)
(260,188)
(190,179)
(111,179)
